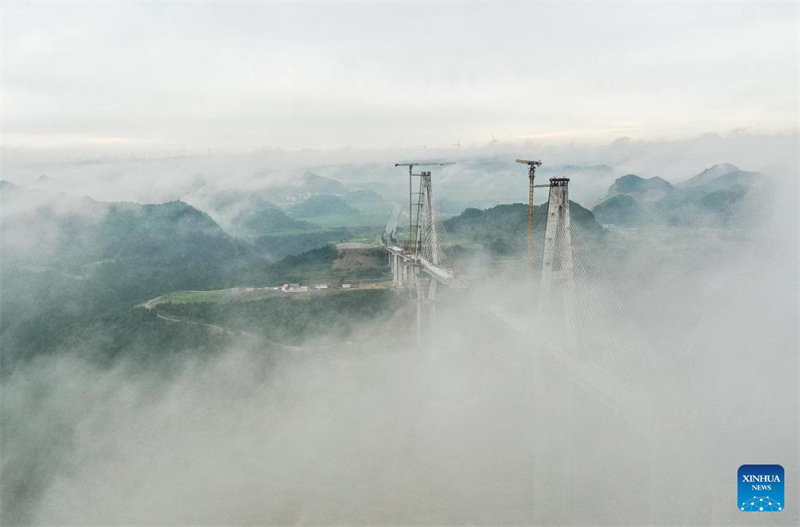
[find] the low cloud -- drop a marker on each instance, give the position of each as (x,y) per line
(485,423)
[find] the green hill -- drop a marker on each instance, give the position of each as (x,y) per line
(265,218)
(322,205)
(503,229)
(710,174)
(621,209)
(245,213)
(650,189)
(43,228)
(720,196)
(319,184)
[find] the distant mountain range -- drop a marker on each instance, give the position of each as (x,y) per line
(248,213)
(720,196)
(43,228)
(322,205)
(310,204)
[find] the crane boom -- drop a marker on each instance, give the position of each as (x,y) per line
(531,177)
(423,164)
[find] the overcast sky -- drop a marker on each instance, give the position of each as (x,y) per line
(143,76)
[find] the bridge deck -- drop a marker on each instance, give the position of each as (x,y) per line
(440,274)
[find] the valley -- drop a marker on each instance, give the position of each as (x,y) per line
(100,259)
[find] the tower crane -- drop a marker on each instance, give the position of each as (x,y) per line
(531,177)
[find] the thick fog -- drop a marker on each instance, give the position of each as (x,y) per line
(487,421)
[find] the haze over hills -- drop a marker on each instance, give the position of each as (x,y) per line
(182,247)
(42,228)
(503,229)
(709,174)
(75,270)
(651,189)
(318,210)
(722,195)
(71,265)
(249,213)
(102,258)
(322,205)
(229,295)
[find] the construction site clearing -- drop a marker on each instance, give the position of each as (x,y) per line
(243,294)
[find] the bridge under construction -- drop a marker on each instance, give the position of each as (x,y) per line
(582,339)
(428,259)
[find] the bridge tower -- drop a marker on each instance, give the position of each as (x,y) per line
(427,249)
(556,320)
(427,244)
(420,265)
(557,281)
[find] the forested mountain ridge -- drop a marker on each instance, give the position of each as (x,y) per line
(42,228)
(503,229)
(720,196)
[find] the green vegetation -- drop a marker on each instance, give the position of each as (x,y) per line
(352,210)
(295,318)
(322,205)
(374,222)
(281,245)
(502,230)
(182,297)
(74,269)
(46,310)
(101,335)
(719,196)
(268,218)
(619,210)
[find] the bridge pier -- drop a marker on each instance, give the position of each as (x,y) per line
(422,263)
(556,309)
(420,309)
(399,268)
(425,288)
(557,281)
(422,278)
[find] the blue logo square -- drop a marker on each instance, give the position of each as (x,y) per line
(761,488)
